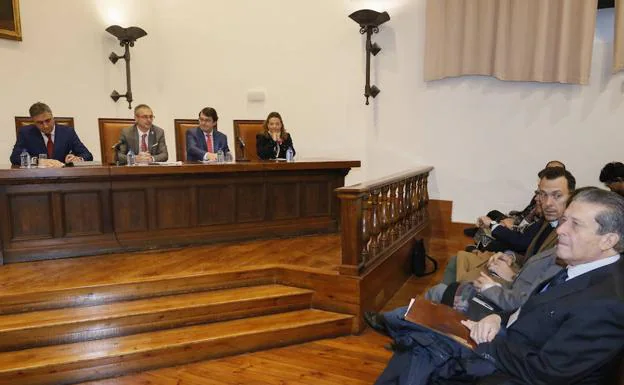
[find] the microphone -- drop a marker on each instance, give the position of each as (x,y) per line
(116,145)
(241,142)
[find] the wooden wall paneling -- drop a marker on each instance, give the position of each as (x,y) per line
(332,292)
(251,202)
(172,207)
(380,283)
(129,210)
(82,213)
(216,204)
(284,200)
(316,198)
(145,207)
(30,216)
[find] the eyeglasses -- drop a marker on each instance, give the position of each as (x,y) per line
(146,116)
(555,195)
(42,122)
(205,120)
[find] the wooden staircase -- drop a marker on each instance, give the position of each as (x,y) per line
(77,334)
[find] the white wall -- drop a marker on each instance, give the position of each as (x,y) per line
(486,138)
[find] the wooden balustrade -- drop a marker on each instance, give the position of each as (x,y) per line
(379,216)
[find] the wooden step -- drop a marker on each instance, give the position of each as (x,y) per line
(72,363)
(62,297)
(25,330)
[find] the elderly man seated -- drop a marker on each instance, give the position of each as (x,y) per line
(570,330)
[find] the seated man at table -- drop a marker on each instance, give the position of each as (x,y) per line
(203,142)
(60,143)
(146,140)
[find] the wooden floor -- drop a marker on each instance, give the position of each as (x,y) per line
(347,360)
(344,360)
(316,252)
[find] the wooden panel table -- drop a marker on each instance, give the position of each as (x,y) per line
(56,213)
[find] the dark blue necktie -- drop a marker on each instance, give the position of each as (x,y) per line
(558,279)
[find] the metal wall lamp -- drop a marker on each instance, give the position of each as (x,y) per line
(127,37)
(369,22)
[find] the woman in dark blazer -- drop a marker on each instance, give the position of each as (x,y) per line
(274,141)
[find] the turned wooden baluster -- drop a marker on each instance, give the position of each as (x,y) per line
(409,208)
(384,239)
(375,225)
(366,219)
(401,225)
(421,199)
(425,179)
(393,213)
(416,202)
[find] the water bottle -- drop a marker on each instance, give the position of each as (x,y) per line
(220,157)
(24,159)
(131,158)
(290,157)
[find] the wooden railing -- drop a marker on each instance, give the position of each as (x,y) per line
(379,216)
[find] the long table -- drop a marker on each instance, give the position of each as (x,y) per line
(75,211)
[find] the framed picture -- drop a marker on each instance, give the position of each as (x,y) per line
(10,20)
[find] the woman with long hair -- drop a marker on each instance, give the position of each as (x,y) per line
(274,141)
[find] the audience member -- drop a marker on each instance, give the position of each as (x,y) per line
(60,143)
(556,186)
(146,140)
(274,141)
(204,142)
(568,331)
(612,175)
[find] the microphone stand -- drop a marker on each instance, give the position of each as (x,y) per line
(241,145)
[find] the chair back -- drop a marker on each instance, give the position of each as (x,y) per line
(181,126)
(247,130)
(21,121)
(110,130)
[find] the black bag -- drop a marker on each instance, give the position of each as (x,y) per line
(419,260)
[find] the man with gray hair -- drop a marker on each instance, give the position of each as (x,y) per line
(60,143)
(570,330)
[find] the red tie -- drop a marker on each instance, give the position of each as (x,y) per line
(50,146)
(143,143)
(209,143)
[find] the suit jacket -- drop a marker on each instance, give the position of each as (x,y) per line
(65,140)
(196,146)
(536,270)
(265,146)
(156,145)
(571,333)
(516,240)
(534,248)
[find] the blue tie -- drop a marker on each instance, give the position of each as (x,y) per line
(558,279)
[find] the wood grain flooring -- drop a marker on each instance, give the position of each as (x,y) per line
(350,360)
(321,252)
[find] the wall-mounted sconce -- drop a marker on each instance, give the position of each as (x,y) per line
(369,22)
(127,37)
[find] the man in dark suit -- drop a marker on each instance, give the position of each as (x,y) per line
(571,329)
(203,142)
(146,140)
(60,143)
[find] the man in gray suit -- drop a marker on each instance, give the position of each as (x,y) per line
(143,138)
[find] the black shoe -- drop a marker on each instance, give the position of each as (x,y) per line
(377,322)
(471,231)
